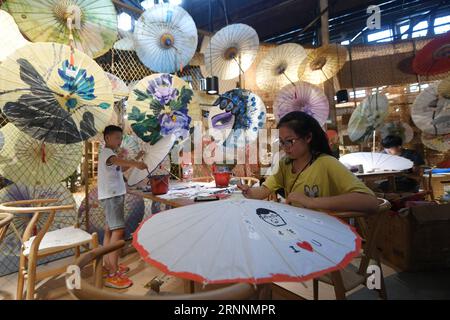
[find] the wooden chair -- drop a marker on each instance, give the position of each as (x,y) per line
(351,277)
(45,242)
(87,291)
(5,221)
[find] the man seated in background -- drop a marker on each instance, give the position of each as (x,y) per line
(393,145)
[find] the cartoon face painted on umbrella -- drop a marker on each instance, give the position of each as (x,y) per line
(270,217)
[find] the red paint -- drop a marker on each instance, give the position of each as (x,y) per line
(305,245)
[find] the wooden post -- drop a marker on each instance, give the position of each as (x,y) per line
(86,183)
(328,86)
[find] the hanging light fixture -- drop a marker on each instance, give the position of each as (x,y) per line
(212,83)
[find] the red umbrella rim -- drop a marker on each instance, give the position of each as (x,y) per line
(434,58)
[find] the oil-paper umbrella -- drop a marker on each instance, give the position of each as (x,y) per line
(444,88)
(277,242)
(280,66)
(439,143)
(54,99)
(165,38)
(397,128)
(154,156)
(94,22)
(134,212)
(302,97)
(323,63)
(11,38)
(376,162)
(231,52)
(119,88)
(430,112)
(159,106)
(434,58)
(249,114)
(367,117)
(10,253)
(33,162)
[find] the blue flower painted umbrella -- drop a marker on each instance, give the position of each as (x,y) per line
(159,107)
(55,95)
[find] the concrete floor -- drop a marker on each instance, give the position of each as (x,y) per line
(400,286)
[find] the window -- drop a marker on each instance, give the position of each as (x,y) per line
(421,29)
(404,29)
(380,36)
(441,25)
(415,87)
(124,22)
(345,43)
(357,93)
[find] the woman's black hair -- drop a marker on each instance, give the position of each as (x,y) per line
(303,125)
(392,141)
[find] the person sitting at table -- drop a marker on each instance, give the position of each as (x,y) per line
(309,175)
(393,145)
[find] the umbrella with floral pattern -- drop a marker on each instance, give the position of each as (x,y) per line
(159,106)
(53,95)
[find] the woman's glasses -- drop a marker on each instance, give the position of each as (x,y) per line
(288,143)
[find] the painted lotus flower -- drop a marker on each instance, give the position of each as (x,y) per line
(76,81)
(176,123)
(161,89)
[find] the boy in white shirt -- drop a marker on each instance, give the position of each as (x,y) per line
(111,193)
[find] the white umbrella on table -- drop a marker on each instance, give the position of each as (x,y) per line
(246,241)
(374,162)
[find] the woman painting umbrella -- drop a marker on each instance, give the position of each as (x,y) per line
(310,176)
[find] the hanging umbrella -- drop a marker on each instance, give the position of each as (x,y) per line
(249,115)
(397,128)
(154,155)
(165,38)
(160,106)
(367,117)
(94,22)
(323,63)
(280,67)
(434,57)
(430,112)
(302,97)
(444,88)
(440,142)
(134,212)
(52,99)
(11,38)
(376,162)
(32,162)
(232,51)
(10,253)
(277,242)
(119,88)
(219,123)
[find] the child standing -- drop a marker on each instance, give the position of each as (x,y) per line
(111,193)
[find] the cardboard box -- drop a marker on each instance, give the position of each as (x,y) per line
(418,240)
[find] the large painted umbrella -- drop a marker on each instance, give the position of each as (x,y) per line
(134,212)
(367,117)
(323,63)
(11,38)
(376,162)
(159,106)
(304,97)
(119,87)
(434,58)
(94,22)
(280,66)
(10,253)
(54,99)
(165,38)
(32,162)
(249,114)
(277,242)
(431,112)
(231,52)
